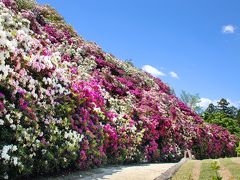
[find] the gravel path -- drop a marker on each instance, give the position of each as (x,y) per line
(134,172)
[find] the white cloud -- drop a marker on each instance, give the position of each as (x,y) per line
(152,70)
(174,75)
(228,29)
(204,102)
(234,103)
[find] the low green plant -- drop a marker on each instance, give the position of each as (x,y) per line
(215,167)
(206,171)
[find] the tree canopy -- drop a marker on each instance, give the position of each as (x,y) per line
(191,100)
(224,115)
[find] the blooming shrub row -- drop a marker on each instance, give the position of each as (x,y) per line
(66,104)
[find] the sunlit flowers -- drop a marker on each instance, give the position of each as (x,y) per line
(66,104)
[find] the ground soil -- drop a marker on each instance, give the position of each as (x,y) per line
(224,172)
(196,170)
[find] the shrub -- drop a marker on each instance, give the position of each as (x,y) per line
(66,104)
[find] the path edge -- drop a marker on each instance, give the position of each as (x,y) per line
(171,171)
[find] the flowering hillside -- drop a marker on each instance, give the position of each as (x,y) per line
(66,104)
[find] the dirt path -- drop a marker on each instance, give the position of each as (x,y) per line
(134,172)
(236,160)
(196,170)
(225,173)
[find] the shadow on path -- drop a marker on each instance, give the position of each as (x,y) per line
(134,171)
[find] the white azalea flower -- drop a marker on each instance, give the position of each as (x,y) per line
(1,122)
(15,161)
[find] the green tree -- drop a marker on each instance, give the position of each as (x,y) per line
(211,108)
(221,119)
(238,117)
(223,105)
(172,91)
(209,111)
(230,111)
(223,115)
(191,100)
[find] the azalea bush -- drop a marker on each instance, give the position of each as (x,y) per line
(65,104)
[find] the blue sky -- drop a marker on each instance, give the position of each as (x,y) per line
(193,45)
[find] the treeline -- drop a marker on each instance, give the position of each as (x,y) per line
(223,115)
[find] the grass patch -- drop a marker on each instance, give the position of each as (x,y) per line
(185,171)
(206,170)
(209,169)
(233,167)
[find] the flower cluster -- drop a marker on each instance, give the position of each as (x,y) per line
(66,104)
